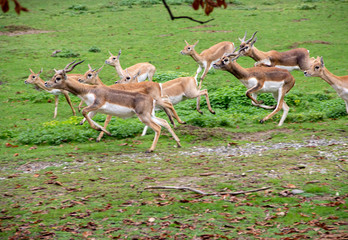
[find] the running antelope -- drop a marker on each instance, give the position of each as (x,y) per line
(339,83)
(180,89)
(261,80)
(146,69)
(111,102)
(34,78)
(153,89)
(294,59)
(208,57)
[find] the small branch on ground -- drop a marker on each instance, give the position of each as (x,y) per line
(340,167)
(172,17)
(206,194)
(177,188)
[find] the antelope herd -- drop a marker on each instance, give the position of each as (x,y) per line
(141,98)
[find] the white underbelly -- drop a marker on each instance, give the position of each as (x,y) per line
(176,99)
(116,110)
(289,68)
(268,87)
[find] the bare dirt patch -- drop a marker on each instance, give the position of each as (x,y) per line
(36,166)
(296,44)
(205,134)
(16,30)
(212,31)
(200,26)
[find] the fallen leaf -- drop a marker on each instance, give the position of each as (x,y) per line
(10,145)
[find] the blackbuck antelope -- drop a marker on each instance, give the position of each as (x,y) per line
(180,89)
(339,83)
(146,69)
(34,78)
(152,89)
(295,59)
(208,57)
(261,80)
(110,101)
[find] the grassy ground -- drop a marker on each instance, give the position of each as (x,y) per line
(58,183)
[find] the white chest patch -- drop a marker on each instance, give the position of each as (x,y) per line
(88,98)
(116,110)
(142,77)
(251,82)
(342,92)
(55,91)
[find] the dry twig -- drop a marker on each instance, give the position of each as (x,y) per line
(207,194)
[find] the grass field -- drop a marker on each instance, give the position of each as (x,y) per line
(58,183)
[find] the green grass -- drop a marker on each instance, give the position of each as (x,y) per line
(58,183)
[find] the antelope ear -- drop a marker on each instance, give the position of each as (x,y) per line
(186,43)
(195,43)
(40,72)
(111,54)
(31,71)
(55,70)
(90,68)
(119,53)
(322,61)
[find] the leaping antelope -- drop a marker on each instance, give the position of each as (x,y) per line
(260,80)
(295,59)
(339,83)
(208,57)
(146,69)
(112,102)
(34,78)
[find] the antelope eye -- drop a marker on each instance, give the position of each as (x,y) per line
(225,60)
(89,75)
(58,78)
(128,78)
(113,58)
(316,67)
(34,77)
(188,48)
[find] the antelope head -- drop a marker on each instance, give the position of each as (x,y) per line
(33,77)
(188,49)
(316,68)
(247,45)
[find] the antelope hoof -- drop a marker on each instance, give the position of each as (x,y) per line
(262,121)
(179,145)
(213,112)
(149,151)
(81,123)
(200,112)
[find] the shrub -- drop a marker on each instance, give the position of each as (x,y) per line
(67,53)
(78,7)
(94,49)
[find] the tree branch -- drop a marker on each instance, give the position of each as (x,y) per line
(172,17)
